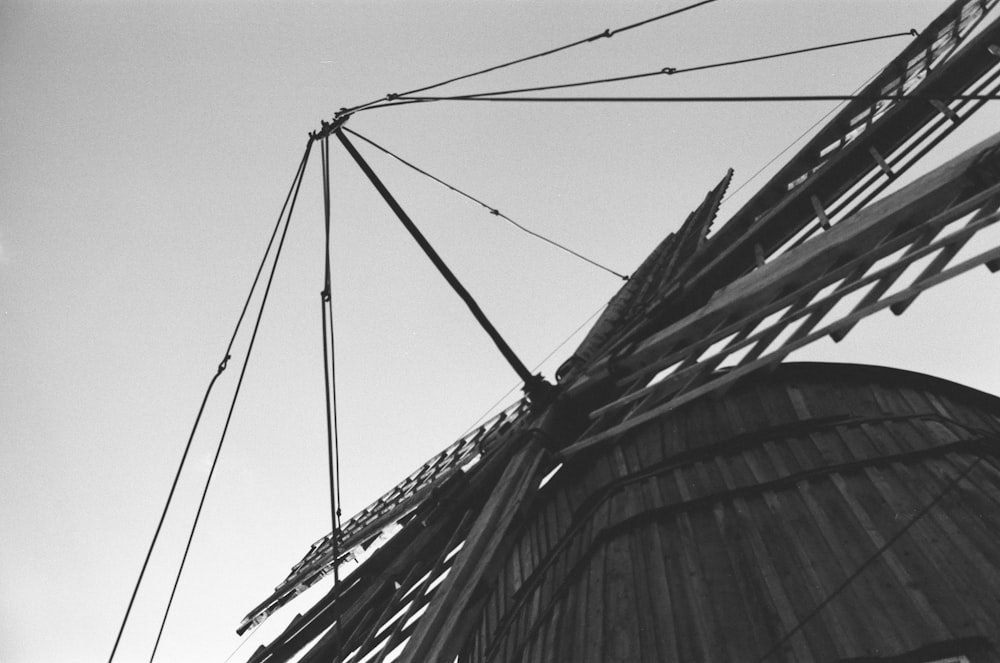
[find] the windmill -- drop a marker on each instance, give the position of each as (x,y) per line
(588,521)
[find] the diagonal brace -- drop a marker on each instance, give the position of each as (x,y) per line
(534,385)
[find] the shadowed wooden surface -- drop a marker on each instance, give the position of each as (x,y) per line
(701,501)
(825,504)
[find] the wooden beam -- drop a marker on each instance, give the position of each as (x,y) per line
(794,269)
(442,629)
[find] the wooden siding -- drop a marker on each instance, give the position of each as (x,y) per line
(825,513)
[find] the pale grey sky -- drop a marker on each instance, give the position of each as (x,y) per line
(147,148)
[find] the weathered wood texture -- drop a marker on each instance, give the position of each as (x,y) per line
(695,304)
(846,514)
(823,513)
(394,507)
(844,166)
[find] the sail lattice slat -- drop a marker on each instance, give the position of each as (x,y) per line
(777,308)
(808,256)
(841,154)
(861,151)
(369,525)
(376,608)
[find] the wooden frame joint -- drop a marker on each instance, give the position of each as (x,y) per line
(881,163)
(824,220)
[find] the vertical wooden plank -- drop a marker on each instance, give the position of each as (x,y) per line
(574,491)
(620,619)
(830,447)
(908,437)
(648,443)
(963,505)
(584,595)
(592,634)
(757,405)
(784,619)
(640,582)
(781,457)
(796,585)
(672,435)
(630,450)
(733,412)
(802,395)
(938,403)
(734,621)
(683,612)
(553,576)
(550,643)
(916,400)
(562,513)
(801,593)
(512,569)
(491,615)
(823,577)
(760,466)
(752,624)
(667,487)
(516,632)
(776,404)
(737,472)
(699,596)
(941,553)
(573,605)
(956,528)
(711,479)
(805,452)
(663,607)
(881,397)
(912,548)
(857,444)
(987,479)
(538,621)
(932,624)
(840,535)
(820,574)
(715,425)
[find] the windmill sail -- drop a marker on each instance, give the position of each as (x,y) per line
(472,556)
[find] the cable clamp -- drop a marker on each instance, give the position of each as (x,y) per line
(224,363)
(606,33)
(668,70)
(539,391)
(494,212)
(327,128)
(392,96)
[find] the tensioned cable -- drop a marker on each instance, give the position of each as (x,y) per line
(782,152)
(874,556)
(296,185)
(492,210)
(672,71)
(534,385)
(554,350)
(222,367)
(794,142)
(718,99)
(245,640)
(329,376)
(606,34)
